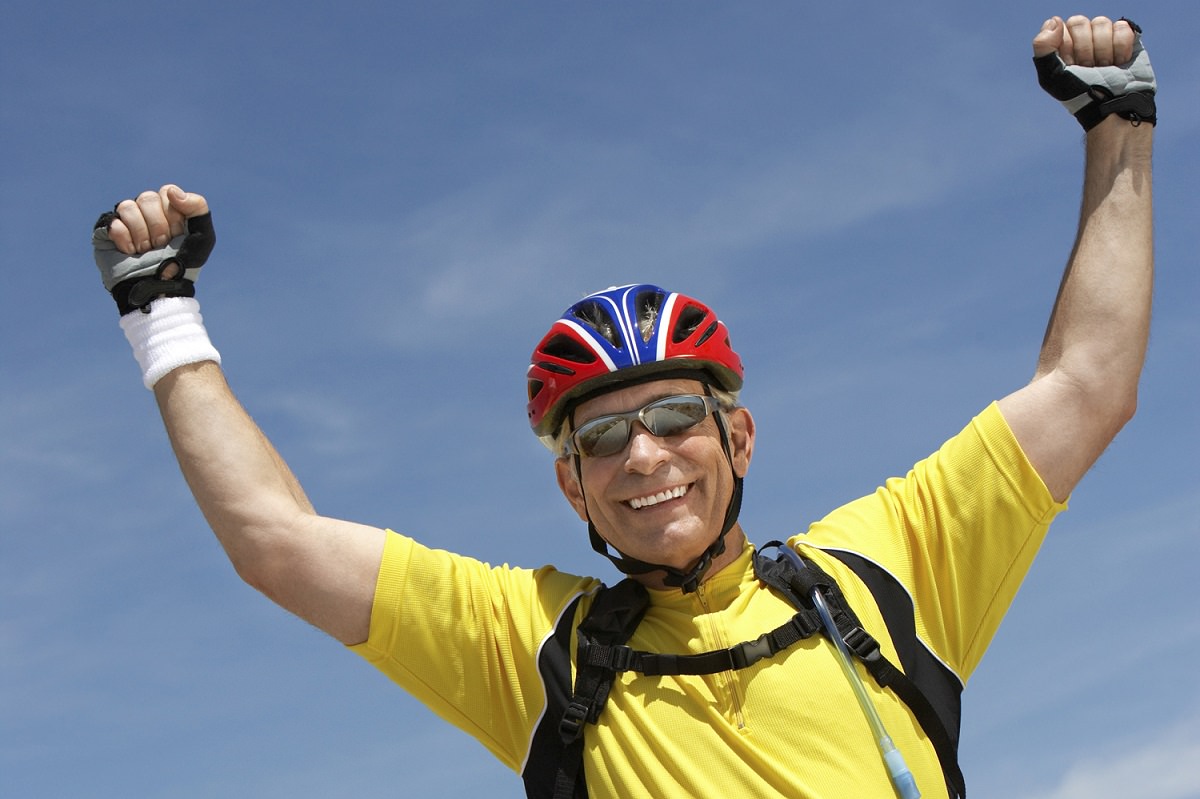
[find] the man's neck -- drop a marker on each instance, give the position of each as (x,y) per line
(735,541)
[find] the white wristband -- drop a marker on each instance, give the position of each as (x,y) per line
(170,336)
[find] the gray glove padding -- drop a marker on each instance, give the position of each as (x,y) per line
(135,280)
(1092,93)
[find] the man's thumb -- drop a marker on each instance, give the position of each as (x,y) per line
(186,203)
(1049,38)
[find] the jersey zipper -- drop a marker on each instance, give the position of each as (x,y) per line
(726,680)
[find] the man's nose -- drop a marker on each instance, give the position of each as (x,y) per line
(646,451)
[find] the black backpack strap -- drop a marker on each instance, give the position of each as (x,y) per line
(557,749)
(934,701)
(554,666)
(740,656)
(930,689)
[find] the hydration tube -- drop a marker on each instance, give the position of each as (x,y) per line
(902,778)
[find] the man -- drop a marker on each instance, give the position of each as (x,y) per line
(635,390)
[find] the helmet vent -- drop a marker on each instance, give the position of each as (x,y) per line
(597,317)
(648,304)
(707,333)
(535,388)
(689,319)
(557,368)
(567,349)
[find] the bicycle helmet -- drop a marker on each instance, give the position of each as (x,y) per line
(623,336)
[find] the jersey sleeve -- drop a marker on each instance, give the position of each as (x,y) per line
(959,531)
(462,637)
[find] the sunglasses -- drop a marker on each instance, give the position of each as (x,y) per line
(669,416)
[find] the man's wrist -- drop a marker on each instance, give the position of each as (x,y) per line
(1121,140)
(170,336)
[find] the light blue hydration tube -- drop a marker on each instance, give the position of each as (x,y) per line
(902,778)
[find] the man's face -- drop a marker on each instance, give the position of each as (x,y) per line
(689,474)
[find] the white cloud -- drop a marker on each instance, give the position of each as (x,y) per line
(1162,766)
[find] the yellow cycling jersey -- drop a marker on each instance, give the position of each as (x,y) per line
(958,532)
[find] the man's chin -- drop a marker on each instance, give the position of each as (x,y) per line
(683,556)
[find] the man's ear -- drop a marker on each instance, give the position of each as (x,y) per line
(741,439)
(568,483)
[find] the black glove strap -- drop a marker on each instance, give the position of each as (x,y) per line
(137,293)
(1137,107)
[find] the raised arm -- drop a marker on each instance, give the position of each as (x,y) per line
(321,569)
(1085,386)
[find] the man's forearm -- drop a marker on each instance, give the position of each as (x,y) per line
(321,569)
(1085,387)
(245,490)
(1099,327)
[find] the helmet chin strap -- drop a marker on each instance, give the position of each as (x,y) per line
(686,580)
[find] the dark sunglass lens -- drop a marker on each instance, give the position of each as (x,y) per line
(674,416)
(603,436)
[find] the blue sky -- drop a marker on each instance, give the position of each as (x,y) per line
(877,198)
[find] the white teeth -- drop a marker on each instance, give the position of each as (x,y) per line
(662,496)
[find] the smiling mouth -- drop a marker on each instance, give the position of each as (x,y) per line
(638,503)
